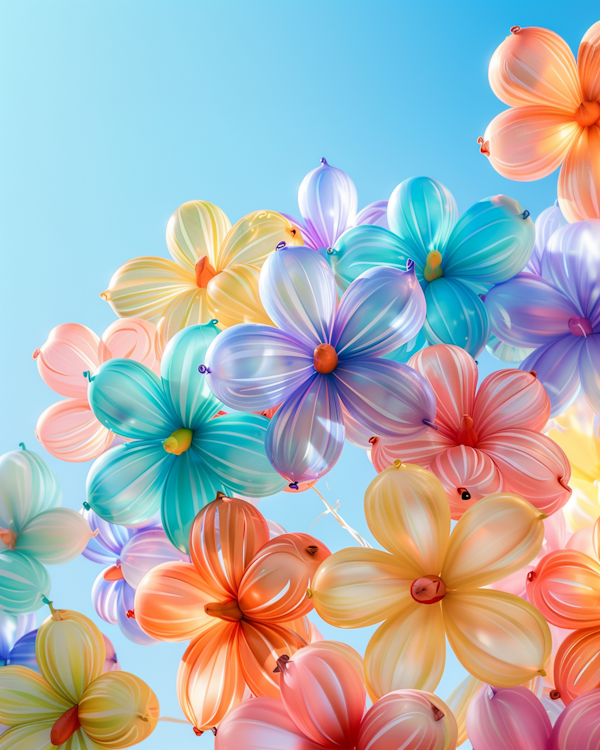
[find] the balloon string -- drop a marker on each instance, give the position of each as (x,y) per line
(333,511)
(174,721)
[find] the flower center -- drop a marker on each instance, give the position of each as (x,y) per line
(325,359)
(467,434)
(113,574)
(433,266)
(587,113)
(204,272)
(8,538)
(65,726)
(179,441)
(428,590)
(228,611)
(580,327)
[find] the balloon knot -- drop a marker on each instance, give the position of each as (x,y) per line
(533,372)
(197,731)
(563,484)
(324,161)
(22,446)
(397,463)
(280,245)
(312,549)
(282,663)
(105,295)
(204,370)
(484,146)
(373,440)
(531,576)
(542,673)
(525,214)
(437,713)
(293,486)
(329,251)
(86,505)
(309,594)
(87,374)
(464,493)
(429,423)
(214,730)
(515,29)
(131,614)
(213,322)
(554,695)
(36,354)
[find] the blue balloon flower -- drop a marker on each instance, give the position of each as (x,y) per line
(456,260)
(179,456)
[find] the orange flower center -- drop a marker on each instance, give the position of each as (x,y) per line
(428,590)
(8,538)
(204,272)
(587,113)
(467,434)
(65,726)
(228,611)
(325,359)
(433,266)
(113,574)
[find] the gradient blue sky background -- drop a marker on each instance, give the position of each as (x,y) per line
(114,113)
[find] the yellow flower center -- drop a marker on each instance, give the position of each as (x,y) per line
(433,266)
(179,441)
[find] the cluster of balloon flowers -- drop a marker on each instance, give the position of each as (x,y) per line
(240,367)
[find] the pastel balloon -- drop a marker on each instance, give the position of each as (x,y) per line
(27,487)
(577,664)
(55,536)
(577,726)
(17,640)
(24,583)
(459,701)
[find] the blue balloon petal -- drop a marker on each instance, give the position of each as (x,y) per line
(128,625)
(404,353)
(23,653)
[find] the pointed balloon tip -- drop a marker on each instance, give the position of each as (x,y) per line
(324,161)
(105,295)
(515,29)
(542,516)
(22,446)
(542,673)
(410,266)
(36,354)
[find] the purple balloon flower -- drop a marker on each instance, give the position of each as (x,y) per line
(557,314)
(328,202)
(130,554)
(323,355)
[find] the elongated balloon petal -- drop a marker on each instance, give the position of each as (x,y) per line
(232,297)
(497,637)
(145,551)
(26,697)
(577,664)
(23,583)
(189,394)
(587,63)
(417,450)
(328,201)
(383,309)
(256,367)
(132,338)
(69,351)
(577,726)
(456,315)
(565,587)
(187,308)
(407,651)
(324,695)
(54,537)
(105,598)
(23,652)
(106,546)
(357,587)
(298,292)
(68,430)
(195,229)
(306,436)
(375,214)
(27,487)
(494,538)
(508,719)
(126,622)
(532,466)
(579,180)
(546,224)
(390,399)
(407,512)
(557,365)
(408,719)
(589,364)
(254,237)
(128,399)
(125,485)
(459,701)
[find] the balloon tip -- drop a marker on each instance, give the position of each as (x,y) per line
(437,713)
(484,146)
(214,730)
(131,614)
(282,663)
(525,214)
(105,295)
(542,673)
(22,446)
(554,695)
(309,594)
(293,486)
(543,516)
(373,440)
(36,354)
(203,370)
(531,576)
(86,505)
(324,161)
(197,731)
(397,464)
(515,29)
(564,485)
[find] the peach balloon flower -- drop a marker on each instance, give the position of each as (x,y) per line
(242,602)
(484,441)
(428,585)
(554,118)
(68,429)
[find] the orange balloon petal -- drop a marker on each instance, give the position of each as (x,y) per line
(69,351)
(535,66)
(224,538)
(210,681)
(131,338)
(528,143)
(170,600)
(579,180)
(68,430)
(259,648)
(588,63)
(274,586)
(565,587)
(421,450)
(577,664)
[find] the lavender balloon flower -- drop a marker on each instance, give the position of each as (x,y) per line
(557,314)
(130,554)
(321,356)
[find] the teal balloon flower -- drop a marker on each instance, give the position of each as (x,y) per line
(456,260)
(181,453)
(34,531)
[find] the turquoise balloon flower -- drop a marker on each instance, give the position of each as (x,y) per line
(456,260)
(180,455)
(34,531)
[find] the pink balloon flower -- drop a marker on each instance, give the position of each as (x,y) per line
(68,429)
(485,441)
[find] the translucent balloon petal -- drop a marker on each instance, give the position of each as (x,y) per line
(145,551)
(579,179)
(54,537)
(189,308)
(587,63)
(69,350)
(232,297)
(420,450)
(546,224)
(406,351)
(69,431)
(375,214)
(106,546)
(255,237)
(577,664)
(459,701)
(506,353)
(26,697)
(105,598)
(557,366)
(23,583)
(195,229)
(126,622)
(589,364)
(131,338)
(577,726)
(23,652)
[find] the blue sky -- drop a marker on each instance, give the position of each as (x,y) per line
(114,113)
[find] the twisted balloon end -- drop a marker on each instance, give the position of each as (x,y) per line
(197,731)
(324,161)
(22,446)
(282,663)
(484,146)
(515,29)
(36,354)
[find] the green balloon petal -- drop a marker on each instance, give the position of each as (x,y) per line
(27,487)
(23,583)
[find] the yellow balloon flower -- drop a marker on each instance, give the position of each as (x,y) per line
(428,586)
(72,705)
(214,272)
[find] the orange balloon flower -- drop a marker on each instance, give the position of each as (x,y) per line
(242,601)
(554,117)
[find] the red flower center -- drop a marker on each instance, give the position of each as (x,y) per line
(325,359)
(587,113)
(467,434)
(428,590)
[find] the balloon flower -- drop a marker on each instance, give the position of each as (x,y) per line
(179,457)
(17,640)
(72,704)
(515,719)
(323,701)
(558,315)
(321,356)
(455,260)
(242,602)
(486,441)
(213,274)
(554,118)
(68,429)
(34,531)
(428,586)
(130,554)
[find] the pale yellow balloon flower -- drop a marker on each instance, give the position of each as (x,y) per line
(213,275)
(428,586)
(72,705)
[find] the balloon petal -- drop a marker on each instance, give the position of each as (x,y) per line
(105,598)
(55,536)
(131,338)
(577,664)
(25,698)
(106,546)
(577,726)
(579,179)
(588,65)
(189,308)
(589,364)
(375,214)
(419,450)
(145,551)
(23,583)
(195,229)
(128,624)
(255,237)
(405,352)
(233,297)
(557,366)
(69,350)
(23,652)
(69,431)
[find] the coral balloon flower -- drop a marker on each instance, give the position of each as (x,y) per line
(242,602)
(577,664)
(68,429)
(428,586)
(213,274)
(554,117)
(486,441)
(72,704)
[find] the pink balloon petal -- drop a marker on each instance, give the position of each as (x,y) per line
(421,450)
(131,338)
(69,351)
(578,727)
(68,430)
